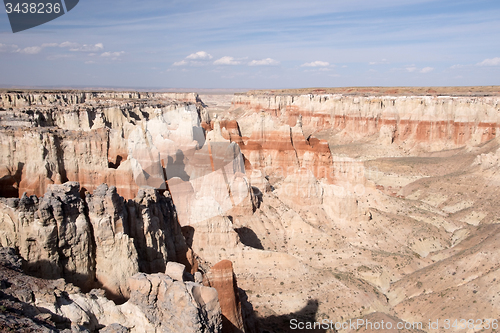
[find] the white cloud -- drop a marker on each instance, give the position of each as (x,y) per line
(199,55)
(414,69)
(316,64)
(456,66)
(264,62)
(86,48)
(490,62)
(37,49)
(8,47)
(112,54)
(181,63)
(227,61)
(194,59)
(383,61)
(69,45)
(31,50)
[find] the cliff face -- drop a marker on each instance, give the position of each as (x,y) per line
(436,121)
(12,99)
(50,138)
(101,240)
(273,148)
(126,140)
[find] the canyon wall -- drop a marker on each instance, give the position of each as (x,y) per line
(13,99)
(438,121)
(62,235)
(50,138)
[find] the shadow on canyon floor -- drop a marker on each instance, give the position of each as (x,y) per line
(20,316)
(290,322)
(249,238)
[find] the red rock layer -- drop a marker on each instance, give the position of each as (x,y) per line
(457,120)
(35,159)
(221,277)
(281,151)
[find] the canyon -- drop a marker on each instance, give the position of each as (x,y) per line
(239,213)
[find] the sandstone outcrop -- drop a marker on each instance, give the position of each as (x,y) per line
(276,148)
(205,174)
(100,241)
(221,277)
(52,234)
(157,304)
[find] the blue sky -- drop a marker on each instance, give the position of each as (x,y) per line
(258,44)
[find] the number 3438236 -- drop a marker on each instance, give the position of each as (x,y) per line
(33,8)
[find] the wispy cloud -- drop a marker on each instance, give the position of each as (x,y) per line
(112,54)
(227,61)
(199,58)
(382,62)
(69,45)
(31,50)
(201,55)
(316,64)
(490,62)
(264,62)
(8,47)
(38,48)
(181,63)
(86,48)
(411,68)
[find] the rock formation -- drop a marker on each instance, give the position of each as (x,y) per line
(52,137)
(157,304)
(221,277)
(52,234)
(62,235)
(435,122)
(278,149)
